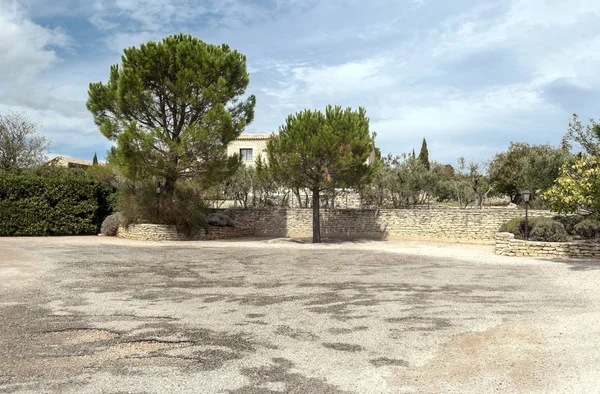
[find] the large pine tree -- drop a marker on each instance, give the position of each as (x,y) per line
(172,107)
(319,151)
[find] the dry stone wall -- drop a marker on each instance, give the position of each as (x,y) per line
(160,232)
(507,245)
(457,224)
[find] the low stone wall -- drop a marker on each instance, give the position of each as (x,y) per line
(160,232)
(507,245)
(465,225)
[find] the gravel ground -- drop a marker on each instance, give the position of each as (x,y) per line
(104,315)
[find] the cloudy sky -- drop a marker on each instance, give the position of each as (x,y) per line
(468,75)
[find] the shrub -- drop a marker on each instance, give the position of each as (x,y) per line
(31,204)
(111,224)
(517,226)
(514,226)
(548,230)
(569,221)
(139,203)
(588,228)
(220,219)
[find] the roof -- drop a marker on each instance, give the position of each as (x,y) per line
(248,136)
(66,160)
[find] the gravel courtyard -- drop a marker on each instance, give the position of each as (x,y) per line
(103,315)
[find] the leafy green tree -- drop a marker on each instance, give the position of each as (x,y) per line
(172,107)
(577,189)
(95,160)
(472,185)
(587,137)
(424,155)
(526,166)
(20,145)
(320,151)
(444,175)
(400,181)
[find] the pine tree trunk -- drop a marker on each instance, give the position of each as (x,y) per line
(316,219)
(171,178)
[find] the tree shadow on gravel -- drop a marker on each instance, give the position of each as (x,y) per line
(578,264)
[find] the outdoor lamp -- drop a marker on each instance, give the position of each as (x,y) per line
(526,194)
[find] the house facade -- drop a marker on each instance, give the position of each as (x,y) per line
(250,146)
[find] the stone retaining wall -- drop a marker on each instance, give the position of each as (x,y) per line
(160,232)
(457,224)
(507,245)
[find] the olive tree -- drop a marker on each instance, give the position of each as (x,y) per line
(20,144)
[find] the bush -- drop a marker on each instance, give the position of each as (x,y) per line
(111,224)
(140,204)
(220,219)
(569,221)
(514,226)
(588,228)
(31,204)
(517,226)
(548,230)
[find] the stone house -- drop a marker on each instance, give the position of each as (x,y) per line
(69,162)
(250,146)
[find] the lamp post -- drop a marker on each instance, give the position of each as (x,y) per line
(158,192)
(526,194)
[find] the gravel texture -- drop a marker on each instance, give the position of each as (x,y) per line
(105,315)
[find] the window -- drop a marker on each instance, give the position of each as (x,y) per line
(246,154)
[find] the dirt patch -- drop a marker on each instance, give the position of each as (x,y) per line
(78,336)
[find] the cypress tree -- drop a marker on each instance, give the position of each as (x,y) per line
(424,155)
(95,160)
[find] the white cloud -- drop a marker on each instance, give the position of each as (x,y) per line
(26,48)
(344,79)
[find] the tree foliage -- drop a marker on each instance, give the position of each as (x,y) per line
(577,189)
(424,155)
(586,136)
(320,151)
(400,181)
(172,107)
(20,144)
(526,166)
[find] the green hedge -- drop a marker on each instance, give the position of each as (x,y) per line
(57,205)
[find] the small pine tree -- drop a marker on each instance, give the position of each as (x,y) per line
(95,160)
(424,155)
(413,153)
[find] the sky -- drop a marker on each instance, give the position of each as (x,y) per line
(468,75)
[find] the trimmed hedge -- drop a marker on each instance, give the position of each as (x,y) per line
(36,205)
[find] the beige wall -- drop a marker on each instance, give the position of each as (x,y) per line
(259,147)
(507,245)
(468,225)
